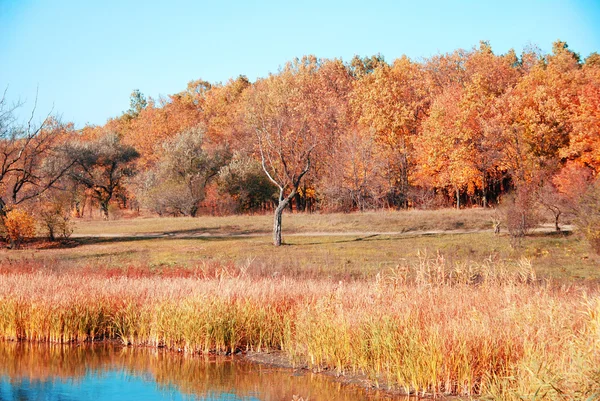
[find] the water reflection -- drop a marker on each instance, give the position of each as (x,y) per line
(107,372)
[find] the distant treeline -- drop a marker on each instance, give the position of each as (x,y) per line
(456,129)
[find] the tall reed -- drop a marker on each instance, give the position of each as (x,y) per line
(433,327)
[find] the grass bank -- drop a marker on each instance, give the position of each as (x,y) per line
(379,221)
(339,257)
(337,246)
(431,326)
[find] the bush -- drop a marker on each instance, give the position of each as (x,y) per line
(520,214)
(19,226)
(55,220)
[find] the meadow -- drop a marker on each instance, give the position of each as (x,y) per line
(414,308)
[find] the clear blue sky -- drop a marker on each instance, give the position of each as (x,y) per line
(87,56)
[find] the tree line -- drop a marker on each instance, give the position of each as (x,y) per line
(457,129)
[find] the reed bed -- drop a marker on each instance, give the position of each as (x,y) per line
(430,327)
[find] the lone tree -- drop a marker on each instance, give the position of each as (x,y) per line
(294,114)
(101,167)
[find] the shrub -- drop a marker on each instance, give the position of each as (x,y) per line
(520,214)
(55,220)
(19,226)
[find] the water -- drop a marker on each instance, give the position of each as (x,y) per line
(108,372)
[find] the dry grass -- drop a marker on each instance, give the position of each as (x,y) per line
(337,257)
(430,326)
(189,242)
(442,314)
(379,221)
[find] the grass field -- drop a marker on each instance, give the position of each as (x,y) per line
(383,221)
(338,245)
(429,302)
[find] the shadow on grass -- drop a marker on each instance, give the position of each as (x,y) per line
(92,240)
(226,231)
(551,234)
(372,237)
(379,237)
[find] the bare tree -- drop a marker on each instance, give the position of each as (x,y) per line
(29,161)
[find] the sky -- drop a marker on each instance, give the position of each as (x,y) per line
(83,58)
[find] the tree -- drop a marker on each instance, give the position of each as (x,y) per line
(459,147)
(535,115)
(587,215)
(101,167)
(392,101)
(360,67)
(137,103)
(158,122)
(186,166)
(520,214)
(291,113)
(443,153)
(244,180)
(584,143)
(357,180)
(29,163)
(223,113)
(19,226)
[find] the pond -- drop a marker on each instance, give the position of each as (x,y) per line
(108,372)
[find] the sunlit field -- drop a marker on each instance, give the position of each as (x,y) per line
(429,327)
(337,246)
(436,304)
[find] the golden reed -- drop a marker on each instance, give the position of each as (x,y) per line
(484,329)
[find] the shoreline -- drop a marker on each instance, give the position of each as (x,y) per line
(275,359)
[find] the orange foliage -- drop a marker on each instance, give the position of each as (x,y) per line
(19,226)
(466,123)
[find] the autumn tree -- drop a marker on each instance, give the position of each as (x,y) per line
(356,181)
(29,161)
(459,148)
(534,116)
(177,183)
(223,114)
(293,115)
(584,141)
(443,151)
(392,102)
(587,215)
(160,120)
(101,167)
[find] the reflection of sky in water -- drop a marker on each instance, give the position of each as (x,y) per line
(113,385)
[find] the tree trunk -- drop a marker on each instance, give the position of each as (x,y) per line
(283,203)
(104,209)
(277,222)
(556,217)
(484,191)
(457,198)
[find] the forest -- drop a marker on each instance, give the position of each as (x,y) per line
(469,128)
